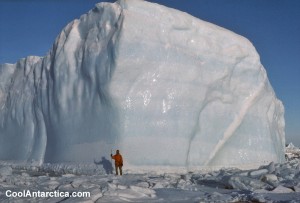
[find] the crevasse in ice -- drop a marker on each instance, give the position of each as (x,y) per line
(165,88)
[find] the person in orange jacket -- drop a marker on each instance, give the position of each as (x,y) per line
(118,161)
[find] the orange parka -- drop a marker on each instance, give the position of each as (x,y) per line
(118,159)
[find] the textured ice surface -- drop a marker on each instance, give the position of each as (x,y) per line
(162,86)
(269,183)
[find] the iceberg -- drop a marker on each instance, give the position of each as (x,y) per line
(164,87)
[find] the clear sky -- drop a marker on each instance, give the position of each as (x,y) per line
(29,27)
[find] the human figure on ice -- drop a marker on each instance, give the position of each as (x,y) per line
(118,161)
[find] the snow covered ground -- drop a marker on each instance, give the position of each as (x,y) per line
(269,183)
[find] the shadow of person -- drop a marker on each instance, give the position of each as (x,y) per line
(107,165)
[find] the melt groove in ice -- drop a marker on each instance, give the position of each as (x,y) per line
(165,88)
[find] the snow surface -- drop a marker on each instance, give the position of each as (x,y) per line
(165,88)
(268,183)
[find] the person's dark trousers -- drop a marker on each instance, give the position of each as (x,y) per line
(120,169)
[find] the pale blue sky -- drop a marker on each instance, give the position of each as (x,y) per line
(29,27)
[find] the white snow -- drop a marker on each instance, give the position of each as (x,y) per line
(268,183)
(165,88)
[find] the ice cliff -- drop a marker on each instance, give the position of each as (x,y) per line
(165,88)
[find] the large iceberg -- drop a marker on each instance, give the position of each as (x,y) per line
(165,88)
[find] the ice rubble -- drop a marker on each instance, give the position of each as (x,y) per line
(162,86)
(292,152)
(273,182)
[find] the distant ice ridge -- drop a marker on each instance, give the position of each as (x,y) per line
(165,88)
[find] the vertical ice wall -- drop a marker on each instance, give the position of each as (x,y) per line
(59,108)
(22,128)
(192,94)
(164,87)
